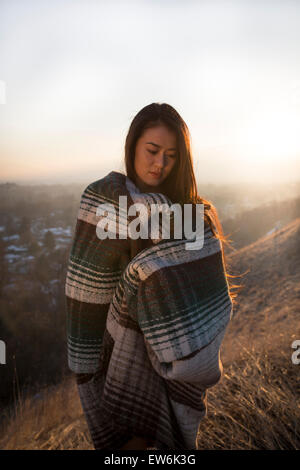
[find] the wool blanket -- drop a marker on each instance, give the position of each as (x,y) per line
(145,322)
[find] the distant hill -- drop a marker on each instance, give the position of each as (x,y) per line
(254,223)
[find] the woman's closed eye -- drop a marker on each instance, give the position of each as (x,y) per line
(154,153)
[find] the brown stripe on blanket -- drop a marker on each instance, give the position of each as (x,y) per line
(180,394)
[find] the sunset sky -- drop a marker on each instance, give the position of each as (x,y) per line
(73,74)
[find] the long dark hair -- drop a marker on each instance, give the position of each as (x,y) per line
(180,186)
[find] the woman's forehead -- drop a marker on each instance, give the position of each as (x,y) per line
(160,136)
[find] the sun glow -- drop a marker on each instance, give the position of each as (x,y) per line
(271,136)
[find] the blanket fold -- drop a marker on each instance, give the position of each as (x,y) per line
(145,320)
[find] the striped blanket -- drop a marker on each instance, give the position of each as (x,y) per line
(145,322)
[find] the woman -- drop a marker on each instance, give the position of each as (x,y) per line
(144,360)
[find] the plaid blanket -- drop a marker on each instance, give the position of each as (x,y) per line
(145,322)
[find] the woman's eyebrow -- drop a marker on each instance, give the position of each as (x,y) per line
(156,145)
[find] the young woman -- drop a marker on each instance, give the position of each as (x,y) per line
(145,317)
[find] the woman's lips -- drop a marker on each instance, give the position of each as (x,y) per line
(155,175)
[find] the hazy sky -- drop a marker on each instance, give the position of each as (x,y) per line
(75,72)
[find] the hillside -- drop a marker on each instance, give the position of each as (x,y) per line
(255,406)
(268,305)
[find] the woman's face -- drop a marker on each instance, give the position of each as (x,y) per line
(155,156)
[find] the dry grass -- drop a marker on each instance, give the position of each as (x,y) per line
(256,405)
(55,421)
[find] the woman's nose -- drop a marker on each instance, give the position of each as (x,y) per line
(160,160)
